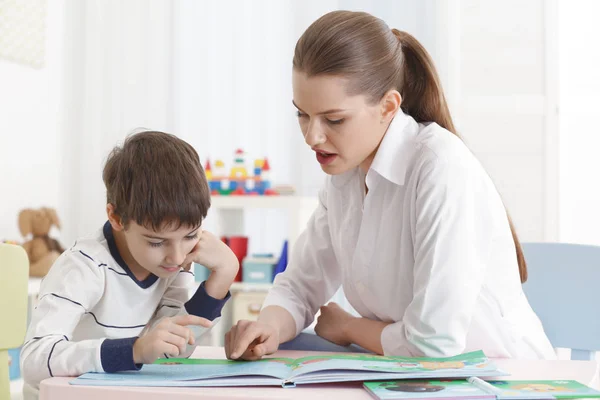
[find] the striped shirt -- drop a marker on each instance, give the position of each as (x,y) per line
(91,309)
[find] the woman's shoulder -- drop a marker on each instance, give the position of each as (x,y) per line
(439,144)
(442,152)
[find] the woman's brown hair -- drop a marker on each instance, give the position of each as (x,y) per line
(376,59)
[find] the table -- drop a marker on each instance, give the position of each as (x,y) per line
(586,372)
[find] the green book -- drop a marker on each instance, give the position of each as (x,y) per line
(475,388)
(290,372)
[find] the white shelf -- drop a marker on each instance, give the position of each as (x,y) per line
(16,389)
(34,286)
(242,287)
(250,287)
(241,202)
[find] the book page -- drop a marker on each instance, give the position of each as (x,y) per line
(474,362)
(193,372)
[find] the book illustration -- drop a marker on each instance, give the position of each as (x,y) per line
(426,389)
(550,389)
(538,387)
(475,388)
(289,372)
(366,362)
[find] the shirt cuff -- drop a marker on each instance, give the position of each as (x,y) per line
(117,355)
(205,306)
(274,298)
(394,342)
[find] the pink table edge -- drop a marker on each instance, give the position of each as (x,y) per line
(586,372)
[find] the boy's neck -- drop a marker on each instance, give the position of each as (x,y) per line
(137,270)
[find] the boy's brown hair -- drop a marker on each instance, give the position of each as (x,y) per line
(156,180)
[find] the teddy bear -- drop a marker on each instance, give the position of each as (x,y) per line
(42,250)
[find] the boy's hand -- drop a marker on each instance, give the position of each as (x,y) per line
(211,252)
(215,255)
(170,336)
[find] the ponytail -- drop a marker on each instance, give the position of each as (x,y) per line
(424,100)
(422,94)
(375,59)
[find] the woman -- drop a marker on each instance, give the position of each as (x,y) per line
(409,223)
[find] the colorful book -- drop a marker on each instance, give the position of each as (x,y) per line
(475,388)
(289,372)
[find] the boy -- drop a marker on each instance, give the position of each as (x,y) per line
(120,299)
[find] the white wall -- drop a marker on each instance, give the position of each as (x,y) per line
(505,100)
(192,68)
(119,65)
(30,120)
(579,34)
(232,80)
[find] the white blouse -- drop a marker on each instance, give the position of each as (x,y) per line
(428,248)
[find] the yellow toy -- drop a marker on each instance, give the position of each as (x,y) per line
(238,171)
(238,181)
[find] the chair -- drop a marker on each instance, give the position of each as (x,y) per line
(14,274)
(563,289)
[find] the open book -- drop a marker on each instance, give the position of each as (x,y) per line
(474,388)
(289,372)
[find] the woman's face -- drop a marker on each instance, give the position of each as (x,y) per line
(344,131)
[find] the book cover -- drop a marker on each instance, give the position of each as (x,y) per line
(548,389)
(426,389)
(289,372)
(474,388)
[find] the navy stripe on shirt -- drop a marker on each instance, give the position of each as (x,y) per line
(114,270)
(114,252)
(93,315)
(50,355)
(87,255)
(104,265)
(41,337)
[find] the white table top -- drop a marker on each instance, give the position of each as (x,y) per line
(586,372)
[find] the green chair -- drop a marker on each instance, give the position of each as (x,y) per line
(14,275)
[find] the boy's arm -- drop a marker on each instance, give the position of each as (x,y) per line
(177,300)
(204,303)
(211,295)
(72,288)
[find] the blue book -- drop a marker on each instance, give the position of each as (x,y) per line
(474,388)
(290,372)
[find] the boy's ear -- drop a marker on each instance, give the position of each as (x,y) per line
(26,221)
(113,218)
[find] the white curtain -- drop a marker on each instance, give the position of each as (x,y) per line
(216,73)
(117,77)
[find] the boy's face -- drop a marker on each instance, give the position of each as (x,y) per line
(161,253)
